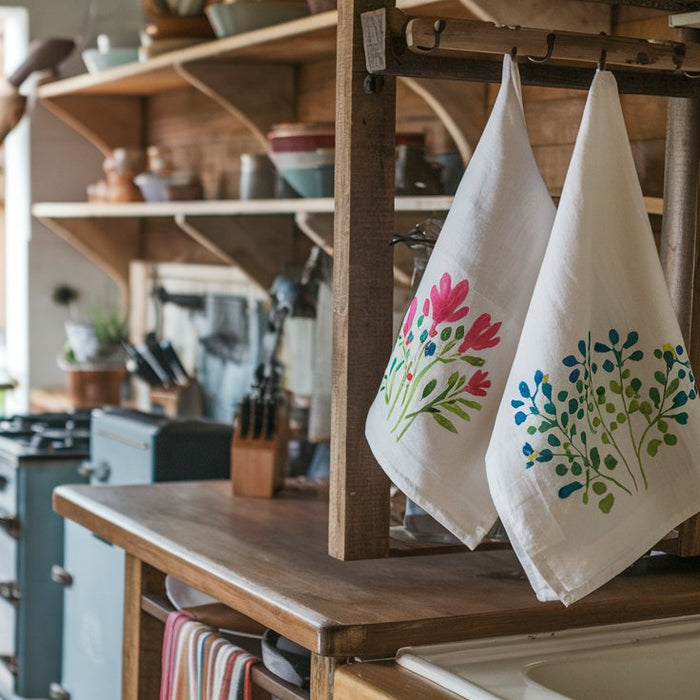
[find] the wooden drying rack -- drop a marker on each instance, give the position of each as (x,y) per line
(377,43)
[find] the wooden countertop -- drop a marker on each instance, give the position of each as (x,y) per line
(268,560)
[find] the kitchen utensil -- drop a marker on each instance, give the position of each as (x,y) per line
(44,55)
(136,364)
(158,355)
(175,366)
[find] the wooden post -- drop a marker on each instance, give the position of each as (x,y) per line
(143,633)
(362,289)
(679,245)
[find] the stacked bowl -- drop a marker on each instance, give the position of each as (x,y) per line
(304,155)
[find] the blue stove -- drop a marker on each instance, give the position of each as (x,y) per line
(37,453)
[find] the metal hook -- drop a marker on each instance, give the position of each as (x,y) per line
(514,53)
(603,55)
(437,31)
(601,59)
(678,59)
(551,38)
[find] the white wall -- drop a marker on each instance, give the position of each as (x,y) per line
(62,165)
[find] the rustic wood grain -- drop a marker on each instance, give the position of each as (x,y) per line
(384,681)
(362,292)
(268,560)
(143,633)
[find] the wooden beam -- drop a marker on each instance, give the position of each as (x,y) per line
(444,36)
(362,290)
(143,634)
(664,5)
(679,242)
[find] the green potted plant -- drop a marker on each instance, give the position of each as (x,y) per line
(93,355)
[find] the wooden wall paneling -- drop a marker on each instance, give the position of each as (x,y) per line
(459,106)
(316,91)
(244,91)
(143,634)
(106,122)
(571,16)
(110,243)
(362,291)
(202,138)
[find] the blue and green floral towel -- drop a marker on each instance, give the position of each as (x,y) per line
(430,423)
(594,454)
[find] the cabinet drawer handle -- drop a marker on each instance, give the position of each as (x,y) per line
(9,591)
(58,692)
(61,576)
(99,470)
(10,663)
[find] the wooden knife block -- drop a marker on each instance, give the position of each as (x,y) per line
(258,465)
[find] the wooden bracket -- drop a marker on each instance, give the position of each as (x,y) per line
(433,47)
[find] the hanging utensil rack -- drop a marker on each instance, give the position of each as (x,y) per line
(376,43)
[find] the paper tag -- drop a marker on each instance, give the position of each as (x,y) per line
(373,37)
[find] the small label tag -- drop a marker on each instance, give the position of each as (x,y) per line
(373,37)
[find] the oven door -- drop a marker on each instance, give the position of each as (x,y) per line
(8,577)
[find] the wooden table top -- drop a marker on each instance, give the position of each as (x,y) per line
(268,559)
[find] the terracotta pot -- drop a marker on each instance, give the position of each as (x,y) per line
(91,388)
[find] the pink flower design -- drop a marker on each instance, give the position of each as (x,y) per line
(446,300)
(478,384)
(481,335)
(409,319)
(426,307)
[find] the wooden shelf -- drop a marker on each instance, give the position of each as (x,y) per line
(275,44)
(230,207)
(253,234)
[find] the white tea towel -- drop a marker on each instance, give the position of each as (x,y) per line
(430,423)
(593,457)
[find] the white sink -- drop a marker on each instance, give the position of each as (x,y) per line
(639,660)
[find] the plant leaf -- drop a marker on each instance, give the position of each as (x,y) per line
(606,504)
(453,408)
(429,387)
(444,422)
(566,491)
(653,447)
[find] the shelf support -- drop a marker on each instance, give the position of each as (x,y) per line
(262,245)
(107,122)
(109,243)
(244,91)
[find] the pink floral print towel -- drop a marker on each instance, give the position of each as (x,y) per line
(430,423)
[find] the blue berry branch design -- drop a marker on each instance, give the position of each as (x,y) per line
(601,431)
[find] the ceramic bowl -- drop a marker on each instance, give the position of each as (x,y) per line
(96,61)
(228,18)
(312,182)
